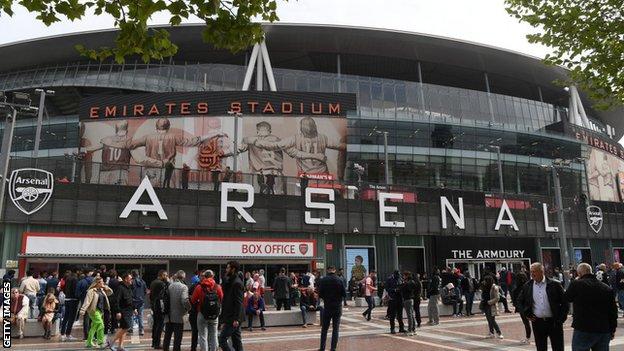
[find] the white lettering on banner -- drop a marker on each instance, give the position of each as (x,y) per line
(133,204)
(239,206)
(445,206)
(466,254)
(383,209)
(510,221)
(547,226)
(103,246)
(331,219)
(498,253)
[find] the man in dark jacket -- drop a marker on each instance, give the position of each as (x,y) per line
(71,306)
(332,292)
(81,293)
(433,294)
(410,292)
(232,309)
(281,290)
(53,282)
(595,312)
(542,301)
(395,302)
(124,309)
(156,290)
(139,290)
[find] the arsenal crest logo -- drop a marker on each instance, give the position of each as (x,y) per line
(30,189)
(303,248)
(594,217)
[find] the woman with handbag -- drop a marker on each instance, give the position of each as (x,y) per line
(489,306)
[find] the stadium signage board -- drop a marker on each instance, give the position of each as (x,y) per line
(154,105)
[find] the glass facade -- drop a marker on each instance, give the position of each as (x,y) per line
(439,136)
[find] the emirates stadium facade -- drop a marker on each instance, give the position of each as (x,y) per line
(323,146)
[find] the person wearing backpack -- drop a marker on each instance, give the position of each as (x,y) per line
(158,288)
(177,304)
(207,299)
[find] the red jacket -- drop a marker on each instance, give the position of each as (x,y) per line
(198,294)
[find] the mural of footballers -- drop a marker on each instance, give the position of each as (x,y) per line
(602,171)
(304,147)
(115,156)
(264,161)
(161,147)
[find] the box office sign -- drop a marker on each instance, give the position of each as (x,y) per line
(122,245)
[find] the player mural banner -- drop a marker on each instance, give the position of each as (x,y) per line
(603,169)
(270,145)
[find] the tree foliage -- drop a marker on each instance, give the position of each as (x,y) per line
(229,23)
(586,36)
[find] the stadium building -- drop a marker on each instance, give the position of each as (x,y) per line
(325,145)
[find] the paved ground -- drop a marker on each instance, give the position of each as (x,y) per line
(358,335)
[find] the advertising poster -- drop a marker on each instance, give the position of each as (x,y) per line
(603,169)
(122,151)
(359,262)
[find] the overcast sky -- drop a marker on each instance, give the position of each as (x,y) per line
(481,21)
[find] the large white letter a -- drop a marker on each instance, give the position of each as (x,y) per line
(133,204)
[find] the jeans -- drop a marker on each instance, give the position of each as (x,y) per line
(432,309)
(333,316)
(582,341)
(138,319)
(96,329)
(491,319)
(250,318)
(620,297)
(71,306)
(396,312)
(371,305)
(409,309)
(469,301)
(32,305)
(207,332)
(458,306)
(304,316)
(157,329)
(282,302)
(176,330)
(192,317)
(227,332)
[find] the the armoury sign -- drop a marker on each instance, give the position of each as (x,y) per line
(594,218)
(30,189)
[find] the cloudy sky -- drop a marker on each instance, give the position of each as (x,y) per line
(482,21)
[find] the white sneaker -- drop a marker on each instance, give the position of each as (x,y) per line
(500,336)
(71,338)
(490,336)
(63,338)
(526,341)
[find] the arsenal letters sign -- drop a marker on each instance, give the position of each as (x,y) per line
(192,247)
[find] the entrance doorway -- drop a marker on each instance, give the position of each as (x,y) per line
(479,268)
(412,259)
(582,255)
(551,259)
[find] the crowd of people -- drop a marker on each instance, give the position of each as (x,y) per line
(110,304)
